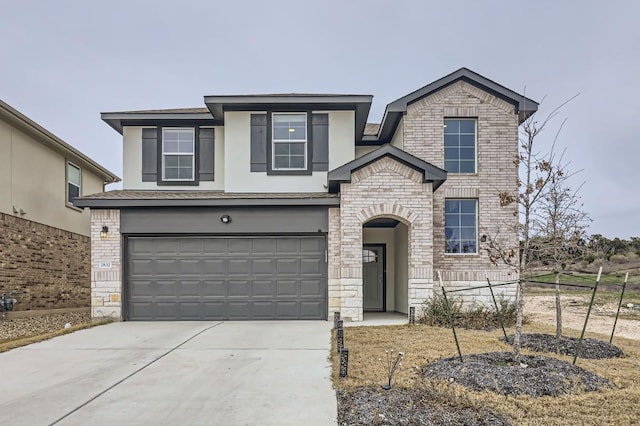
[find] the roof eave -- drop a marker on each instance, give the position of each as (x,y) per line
(115,119)
(56,144)
(104,203)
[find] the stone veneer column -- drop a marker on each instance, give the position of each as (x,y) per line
(333,247)
(385,188)
(106,268)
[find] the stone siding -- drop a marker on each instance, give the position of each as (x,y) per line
(106,268)
(385,188)
(497,148)
(48,267)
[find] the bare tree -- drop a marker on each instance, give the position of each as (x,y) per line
(559,227)
(537,173)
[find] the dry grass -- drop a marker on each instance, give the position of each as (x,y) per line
(8,344)
(423,345)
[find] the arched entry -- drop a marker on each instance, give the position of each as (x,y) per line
(385,260)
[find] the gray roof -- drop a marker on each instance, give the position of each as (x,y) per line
(16,118)
(394,111)
(429,172)
(153,198)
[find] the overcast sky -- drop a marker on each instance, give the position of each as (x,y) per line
(64,62)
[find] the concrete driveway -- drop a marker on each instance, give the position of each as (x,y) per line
(178,373)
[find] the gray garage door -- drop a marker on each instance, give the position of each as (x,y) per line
(226,278)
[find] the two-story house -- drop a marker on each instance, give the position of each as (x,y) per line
(44,238)
(292,206)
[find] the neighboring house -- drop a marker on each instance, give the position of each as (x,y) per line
(291,206)
(44,238)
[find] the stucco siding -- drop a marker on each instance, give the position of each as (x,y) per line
(238,175)
(34,181)
(132,163)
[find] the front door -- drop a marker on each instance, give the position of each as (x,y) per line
(373,280)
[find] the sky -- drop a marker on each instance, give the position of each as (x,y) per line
(63,62)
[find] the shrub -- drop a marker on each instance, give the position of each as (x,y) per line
(473,316)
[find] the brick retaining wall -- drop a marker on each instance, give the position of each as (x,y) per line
(50,267)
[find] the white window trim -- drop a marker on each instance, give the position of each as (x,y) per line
(275,141)
(192,155)
(68,201)
(475,145)
(477,252)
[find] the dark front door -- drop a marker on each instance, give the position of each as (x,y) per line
(373,280)
(226,278)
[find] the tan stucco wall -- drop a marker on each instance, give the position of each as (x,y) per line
(398,137)
(238,175)
(33,178)
(132,163)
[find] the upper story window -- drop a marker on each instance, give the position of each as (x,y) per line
(460,145)
(178,154)
(460,226)
(289,138)
(74,182)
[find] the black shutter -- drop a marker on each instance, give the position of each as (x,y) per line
(206,151)
(149,155)
(320,135)
(259,142)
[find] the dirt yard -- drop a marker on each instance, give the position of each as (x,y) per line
(541,309)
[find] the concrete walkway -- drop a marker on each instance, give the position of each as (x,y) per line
(178,373)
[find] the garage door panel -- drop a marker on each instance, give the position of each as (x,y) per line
(240,310)
(165,288)
(215,289)
(239,267)
(190,246)
(239,288)
(142,311)
(286,288)
(166,311)
(311,309)
(311,266)
(215,310)
(288,310)
(190,267)
(288,246)
(263,288)
(264,247)
(241,247)
(287,267)
(312,288)
(165,246)
(215,246)
(214,267)
(188,288)
(164,266)
(263,266)
(190,311)
(223,278)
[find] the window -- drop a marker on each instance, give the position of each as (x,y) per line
(369,256)
(460,145)
(178,154)
(73,182)
(289,138)
(460,226)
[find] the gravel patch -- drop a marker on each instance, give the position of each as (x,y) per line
(498,372)
(590,349)
(422,406)
(28,327)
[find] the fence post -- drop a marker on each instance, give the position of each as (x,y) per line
(344,362)
(624,285)
(498,311)
(586,320)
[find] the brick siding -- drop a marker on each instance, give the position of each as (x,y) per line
(49,267)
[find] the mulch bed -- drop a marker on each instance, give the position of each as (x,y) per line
(498,372)
(590,349)
(422,406)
